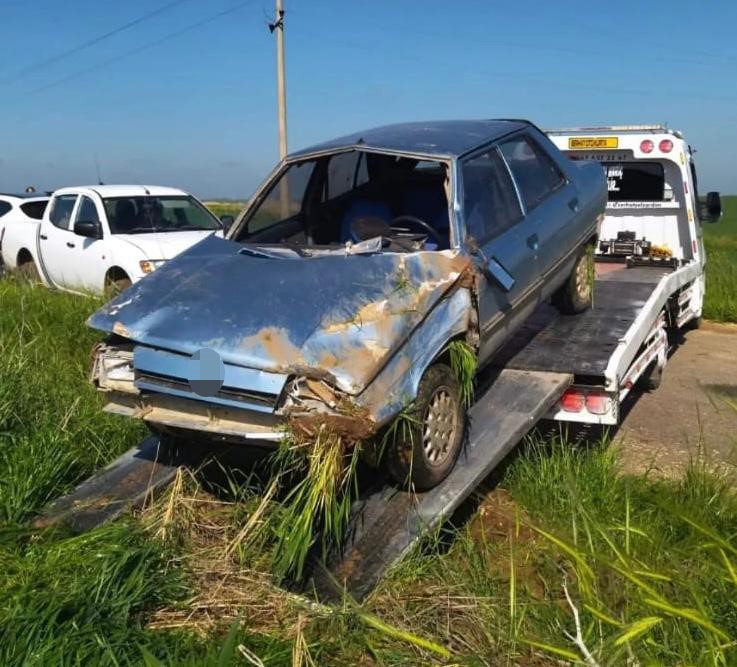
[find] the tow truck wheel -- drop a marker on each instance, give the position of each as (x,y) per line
(652,377)
(576,293)
(426,447)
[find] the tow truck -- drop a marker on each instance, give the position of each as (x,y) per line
(648,286)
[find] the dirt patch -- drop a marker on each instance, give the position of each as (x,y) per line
(691,414)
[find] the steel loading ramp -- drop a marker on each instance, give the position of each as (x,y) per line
(388,523)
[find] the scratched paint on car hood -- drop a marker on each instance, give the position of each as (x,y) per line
(339,316)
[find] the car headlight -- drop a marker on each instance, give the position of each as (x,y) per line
(113,369)
(149,265)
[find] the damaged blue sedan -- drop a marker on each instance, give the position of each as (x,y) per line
(339,291)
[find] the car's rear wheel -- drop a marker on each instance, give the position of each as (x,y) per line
(576,294)
(426,447)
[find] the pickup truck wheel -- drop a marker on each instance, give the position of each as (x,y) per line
(28,272)
(575,295)
(115,285)
(426,450)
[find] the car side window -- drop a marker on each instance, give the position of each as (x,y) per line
(61,212)
(87,211)
(536,174)
(4,208)
(490,203)
(34,209)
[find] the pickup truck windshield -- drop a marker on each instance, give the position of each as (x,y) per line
(144,215)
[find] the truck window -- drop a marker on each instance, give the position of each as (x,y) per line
(4,208)
(34,209)
(635,181)
(490,203)
(61,211)
(87,211)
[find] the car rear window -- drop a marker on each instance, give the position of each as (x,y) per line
(635,181)
(34,209)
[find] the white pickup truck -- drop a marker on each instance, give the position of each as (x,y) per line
(105,237)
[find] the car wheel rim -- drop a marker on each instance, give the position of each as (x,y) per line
(582,278)
(441,423)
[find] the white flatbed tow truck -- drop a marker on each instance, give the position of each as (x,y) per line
(649,284)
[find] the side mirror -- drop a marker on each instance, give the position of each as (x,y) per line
(492,269)
(227,221)
(711,209)
(91,229)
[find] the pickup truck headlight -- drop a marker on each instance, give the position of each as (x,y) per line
(149,265)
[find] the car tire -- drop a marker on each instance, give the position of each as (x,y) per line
(423,454)
(576,294)
(28,272)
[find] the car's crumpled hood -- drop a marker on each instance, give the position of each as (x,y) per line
(338,317)
(164,245)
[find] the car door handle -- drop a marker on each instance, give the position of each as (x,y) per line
(43,237)
(70,244)
(533,242)
(573,204)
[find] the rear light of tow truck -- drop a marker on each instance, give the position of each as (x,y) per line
(665,146)
(647,146)
(595,401)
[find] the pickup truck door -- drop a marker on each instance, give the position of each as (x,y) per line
(90,255)
(505,245)
(550,200)
(56,241)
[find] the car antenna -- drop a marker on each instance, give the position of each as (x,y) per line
(97,169)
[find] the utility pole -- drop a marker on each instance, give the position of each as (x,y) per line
(281,85)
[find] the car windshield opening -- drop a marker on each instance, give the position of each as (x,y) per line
(344,199)
(148,214)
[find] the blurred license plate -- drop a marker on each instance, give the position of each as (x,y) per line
(587,143)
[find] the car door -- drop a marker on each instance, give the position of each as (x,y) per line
(89,254)
(57,241)
(505,246)
(550,200)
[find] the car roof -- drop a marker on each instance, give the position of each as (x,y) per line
(25,196)
(443,138)
(123,190)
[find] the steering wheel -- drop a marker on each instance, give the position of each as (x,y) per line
(414,221)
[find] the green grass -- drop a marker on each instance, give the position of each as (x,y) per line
(221,208)
(720,239)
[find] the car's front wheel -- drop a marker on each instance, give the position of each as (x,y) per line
(577,292)
(425,447)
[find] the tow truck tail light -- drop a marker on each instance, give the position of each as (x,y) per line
(665,146)
(573,400)
(597,402)
(646,146)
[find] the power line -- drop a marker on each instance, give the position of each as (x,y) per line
(96,40)
(143,47)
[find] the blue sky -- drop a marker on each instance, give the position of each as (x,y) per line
(198,110)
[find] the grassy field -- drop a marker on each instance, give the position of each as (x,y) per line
(721,271)
(645,568)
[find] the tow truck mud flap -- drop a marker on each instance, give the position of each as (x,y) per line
(389,522)
(127,482)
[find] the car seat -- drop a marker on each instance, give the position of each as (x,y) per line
(362,208)
(125,216)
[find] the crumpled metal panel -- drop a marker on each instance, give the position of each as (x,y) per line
(337,317)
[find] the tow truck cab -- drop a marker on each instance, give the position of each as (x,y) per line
(653,211)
